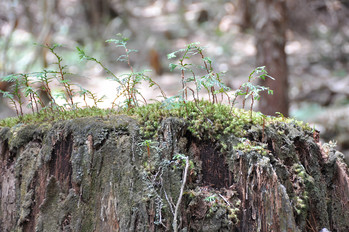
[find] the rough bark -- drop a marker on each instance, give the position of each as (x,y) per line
(95,174)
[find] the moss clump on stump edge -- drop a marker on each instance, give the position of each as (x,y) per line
(99,173)
(205,119)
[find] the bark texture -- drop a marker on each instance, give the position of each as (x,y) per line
(98,174)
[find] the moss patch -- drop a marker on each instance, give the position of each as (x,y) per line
(205,120)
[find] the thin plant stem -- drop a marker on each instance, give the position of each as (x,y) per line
(174,225)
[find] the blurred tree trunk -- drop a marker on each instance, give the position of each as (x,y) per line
(244,14)
(48,8)
(98,12)
(270,26)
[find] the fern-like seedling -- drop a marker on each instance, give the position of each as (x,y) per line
(250,90)
(210,81)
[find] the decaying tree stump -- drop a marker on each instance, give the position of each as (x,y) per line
(94,174)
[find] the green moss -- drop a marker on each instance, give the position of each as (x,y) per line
(248,146)
(216,204)
(56,115)
(205,120)
(303,180)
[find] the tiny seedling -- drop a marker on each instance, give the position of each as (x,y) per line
(29,88)
(127,82)
(248,89)
(208,81)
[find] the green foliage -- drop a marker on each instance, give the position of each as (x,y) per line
(127,82)
(207,119)
(211,198)
(85,93)
(50,116)
(210,80)
(179,161)
(11,97)
(28,88)
(15,93)
(302,179)
(214,201)
(61,76)
(248,89)
(248,146)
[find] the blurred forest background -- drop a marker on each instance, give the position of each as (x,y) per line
(304,45)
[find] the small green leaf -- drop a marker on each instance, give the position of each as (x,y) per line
(171,55)
(207,59)
(54,46)
(172,67)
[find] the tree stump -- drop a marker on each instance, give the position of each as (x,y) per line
(99,174)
